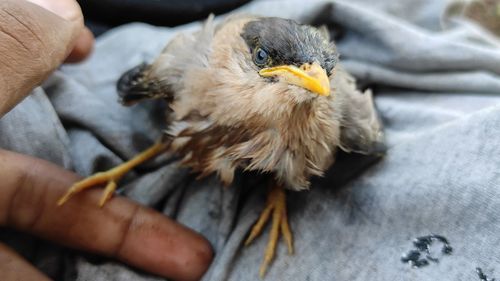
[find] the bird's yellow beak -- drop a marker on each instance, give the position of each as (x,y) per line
(308,76)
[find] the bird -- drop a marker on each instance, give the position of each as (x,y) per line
(252,94)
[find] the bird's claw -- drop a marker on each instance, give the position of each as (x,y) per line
(276,206)
(111,177)
(108,177)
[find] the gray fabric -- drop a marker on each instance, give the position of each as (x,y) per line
(436,82)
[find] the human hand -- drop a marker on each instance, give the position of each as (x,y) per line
(121,229)
(33,42)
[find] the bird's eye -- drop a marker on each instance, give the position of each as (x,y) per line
(260,57)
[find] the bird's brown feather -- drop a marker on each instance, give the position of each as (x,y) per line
(226,116)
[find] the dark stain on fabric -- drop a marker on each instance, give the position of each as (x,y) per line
(413,258)
(424,251)
(482,276)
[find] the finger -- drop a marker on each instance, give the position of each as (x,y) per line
(69,10)
(83,47)
(121,229)
(14,267)
(66,9)
(33,42)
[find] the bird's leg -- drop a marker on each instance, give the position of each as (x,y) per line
(112,176)
(276,206)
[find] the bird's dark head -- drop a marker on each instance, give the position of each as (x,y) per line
(298,54)
(269,69)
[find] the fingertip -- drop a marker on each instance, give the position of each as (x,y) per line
(84,45)
(157,244)
(201,257)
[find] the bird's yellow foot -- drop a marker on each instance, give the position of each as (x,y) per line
(112,176)
(276,206)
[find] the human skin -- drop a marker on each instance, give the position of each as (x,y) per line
(35,38)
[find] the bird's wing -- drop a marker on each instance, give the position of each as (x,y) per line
(361,127)
(136,85)
(164,77)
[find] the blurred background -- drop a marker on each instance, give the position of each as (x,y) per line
(102,15)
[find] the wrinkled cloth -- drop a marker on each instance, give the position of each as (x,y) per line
(437,87)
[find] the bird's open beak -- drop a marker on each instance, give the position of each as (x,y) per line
(308,76)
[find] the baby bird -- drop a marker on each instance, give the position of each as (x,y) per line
(257,94)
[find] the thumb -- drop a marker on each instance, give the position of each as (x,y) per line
(35,37)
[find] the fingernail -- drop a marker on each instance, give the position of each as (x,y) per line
(66,9)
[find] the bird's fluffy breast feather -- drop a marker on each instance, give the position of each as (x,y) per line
(227,117)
